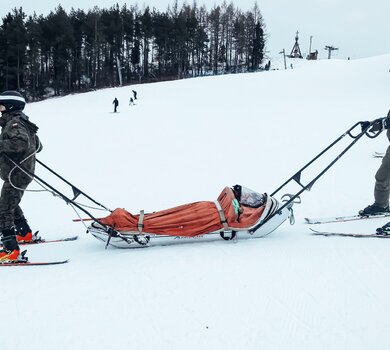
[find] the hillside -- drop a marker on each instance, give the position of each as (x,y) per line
(182,142)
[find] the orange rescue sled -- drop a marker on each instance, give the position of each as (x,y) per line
(236,212)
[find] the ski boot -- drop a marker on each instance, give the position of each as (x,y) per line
(10,252)
(384,230)
(24,233)
(7,256)
(374,210)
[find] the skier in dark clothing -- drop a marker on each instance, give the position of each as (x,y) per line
(131,102)
(115,103)
(134,94)
(20,142)
(382,179)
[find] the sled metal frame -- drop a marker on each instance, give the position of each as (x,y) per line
(288,203)
(365,126)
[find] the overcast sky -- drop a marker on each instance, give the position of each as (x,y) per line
(359,28)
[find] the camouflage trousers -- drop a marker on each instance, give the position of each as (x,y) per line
(382,183)
(9,205)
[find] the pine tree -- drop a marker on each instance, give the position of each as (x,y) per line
(14,35)
(33,58)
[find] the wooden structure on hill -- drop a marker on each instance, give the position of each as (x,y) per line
(296,50)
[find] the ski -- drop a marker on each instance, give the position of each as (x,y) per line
(40,241)
(23,261)
(34,263)
(329,220)
(378,154)
(348,234)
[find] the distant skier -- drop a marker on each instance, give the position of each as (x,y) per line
(134,94)
(116,104)
(19,141)
(131,102)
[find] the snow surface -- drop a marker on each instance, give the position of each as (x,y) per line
(183,142)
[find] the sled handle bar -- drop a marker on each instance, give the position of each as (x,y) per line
(365,126)
(111,232)
(76,191)
(57,192)
(297,176)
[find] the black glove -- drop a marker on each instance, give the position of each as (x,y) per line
(377,125)
(364,125)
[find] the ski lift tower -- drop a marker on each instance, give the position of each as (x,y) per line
(330,49)
(296,51)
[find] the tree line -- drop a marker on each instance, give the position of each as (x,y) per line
(82,50)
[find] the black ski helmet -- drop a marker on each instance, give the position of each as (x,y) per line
(12,101)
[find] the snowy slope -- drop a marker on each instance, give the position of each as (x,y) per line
(184,141)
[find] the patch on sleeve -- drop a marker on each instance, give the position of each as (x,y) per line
(14,125)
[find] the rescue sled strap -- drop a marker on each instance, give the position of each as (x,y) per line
(222,216)
(140,225)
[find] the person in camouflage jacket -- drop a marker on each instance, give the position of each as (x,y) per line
(20,142)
